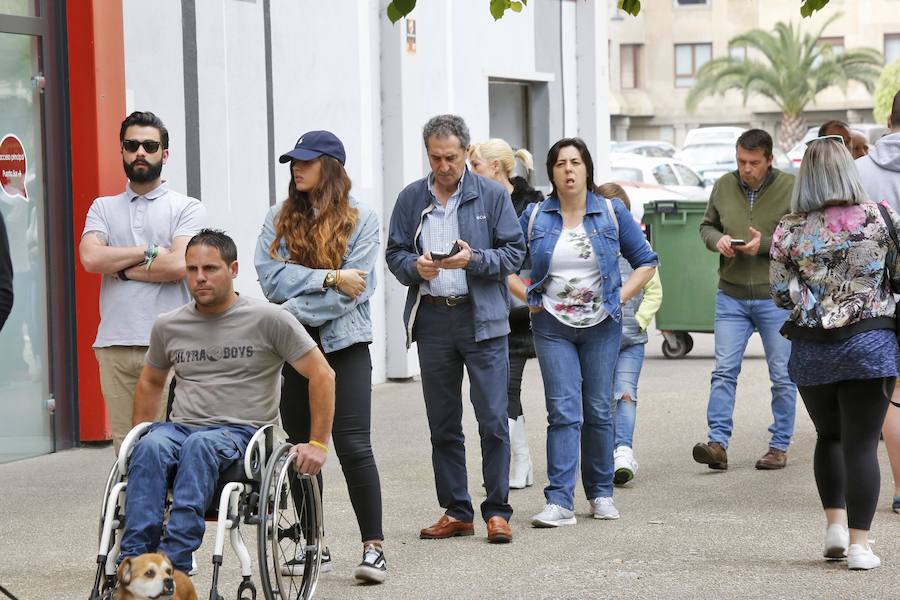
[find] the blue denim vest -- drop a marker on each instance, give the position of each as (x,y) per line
(607,243)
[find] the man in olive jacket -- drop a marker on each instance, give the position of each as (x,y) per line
(744,208)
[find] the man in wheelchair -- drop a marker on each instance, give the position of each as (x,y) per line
(227,351)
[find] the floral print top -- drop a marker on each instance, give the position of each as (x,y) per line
(572,292)
(828,266)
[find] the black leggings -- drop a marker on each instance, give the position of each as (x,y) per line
(514,387)
(848,416)
(351,429)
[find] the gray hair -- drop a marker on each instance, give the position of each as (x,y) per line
(445,126)
(827,176)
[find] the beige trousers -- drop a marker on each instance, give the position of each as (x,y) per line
(120,369)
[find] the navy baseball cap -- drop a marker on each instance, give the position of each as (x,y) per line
(314,144)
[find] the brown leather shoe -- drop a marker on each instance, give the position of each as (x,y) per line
(771,460)
(447,527)
(498,530)
(712,454)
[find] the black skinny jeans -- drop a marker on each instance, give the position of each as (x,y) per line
(848,416)
(351,430)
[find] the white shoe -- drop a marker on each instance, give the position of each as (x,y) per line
(194,568)
(861,559)
(604,508)
(521,471)
(553,515)
(837,538)
(625,467)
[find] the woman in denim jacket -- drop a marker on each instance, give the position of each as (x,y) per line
(575,299)
(316,256)
(834,265)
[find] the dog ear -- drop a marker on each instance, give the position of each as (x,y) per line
(124,572)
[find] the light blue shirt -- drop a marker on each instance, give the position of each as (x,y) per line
(129,308)
(439,231)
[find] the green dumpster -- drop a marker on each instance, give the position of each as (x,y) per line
(688,270)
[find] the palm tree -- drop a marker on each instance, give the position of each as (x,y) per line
(796,69)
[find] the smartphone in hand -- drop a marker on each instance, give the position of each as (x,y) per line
(738,243)
(442,255)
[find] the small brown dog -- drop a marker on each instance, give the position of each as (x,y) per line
(152,576)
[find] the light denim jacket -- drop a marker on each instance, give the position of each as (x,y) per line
(607,243)
(342,321)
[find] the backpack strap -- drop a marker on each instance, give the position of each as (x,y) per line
(531,218)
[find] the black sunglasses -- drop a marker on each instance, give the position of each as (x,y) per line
(151,146)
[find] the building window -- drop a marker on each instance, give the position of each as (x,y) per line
(692,2)
(688,60)
(836,43)
(629,66)
(738,53)
(891,47)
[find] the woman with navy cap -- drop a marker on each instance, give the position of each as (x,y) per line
(316,256)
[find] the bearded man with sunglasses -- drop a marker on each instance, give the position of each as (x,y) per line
(136,240)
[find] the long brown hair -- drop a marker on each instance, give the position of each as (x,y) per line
(316,225)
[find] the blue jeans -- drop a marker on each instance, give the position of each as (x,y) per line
(577,368)
(735,322)
(628,370)
(190,459)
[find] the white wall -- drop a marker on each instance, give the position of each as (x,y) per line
(341,65)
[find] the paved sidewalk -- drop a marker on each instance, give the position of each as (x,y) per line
(685,531)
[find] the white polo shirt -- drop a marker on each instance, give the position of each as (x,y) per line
(129,308)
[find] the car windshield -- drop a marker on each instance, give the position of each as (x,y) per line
(708,154)
(627,174)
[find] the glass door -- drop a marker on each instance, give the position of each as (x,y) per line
(25,394)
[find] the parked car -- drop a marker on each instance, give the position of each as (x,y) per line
(872,131)
(644,148)
(710,161)
(640,194)
(667,172)
(712,135)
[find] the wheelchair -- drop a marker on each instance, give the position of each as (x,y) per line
(263,491)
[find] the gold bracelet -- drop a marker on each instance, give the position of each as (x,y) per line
(318,444)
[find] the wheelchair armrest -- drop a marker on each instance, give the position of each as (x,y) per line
(128,445)
(258,450)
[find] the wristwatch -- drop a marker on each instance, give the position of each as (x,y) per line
(330,279)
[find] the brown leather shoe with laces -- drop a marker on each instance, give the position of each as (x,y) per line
(712,455)
(773,459)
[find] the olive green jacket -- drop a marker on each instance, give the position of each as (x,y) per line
(728,212)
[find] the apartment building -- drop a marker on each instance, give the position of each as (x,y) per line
(654,59)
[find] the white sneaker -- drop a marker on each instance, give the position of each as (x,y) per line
(603,507)
(625,466)
(861,559)
(194,568)
(553,515)
(837,538)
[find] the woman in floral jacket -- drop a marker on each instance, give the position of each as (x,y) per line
(835,265)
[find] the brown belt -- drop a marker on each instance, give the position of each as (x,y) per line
(450,301)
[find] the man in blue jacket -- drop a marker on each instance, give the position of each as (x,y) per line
(453,240)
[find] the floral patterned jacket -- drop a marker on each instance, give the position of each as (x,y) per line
(828,266)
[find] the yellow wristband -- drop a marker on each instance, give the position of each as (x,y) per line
(319,444)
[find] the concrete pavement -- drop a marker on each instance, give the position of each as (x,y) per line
(685,531)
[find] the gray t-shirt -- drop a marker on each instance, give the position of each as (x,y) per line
(129,308)
(228,365)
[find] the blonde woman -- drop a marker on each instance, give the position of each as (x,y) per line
(495,159)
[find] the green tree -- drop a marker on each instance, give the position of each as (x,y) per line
(887,87)
(794,70)
(397,9)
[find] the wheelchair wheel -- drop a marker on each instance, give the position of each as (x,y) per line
(290,531)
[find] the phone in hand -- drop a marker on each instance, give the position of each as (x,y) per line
(738,243)
(454,249)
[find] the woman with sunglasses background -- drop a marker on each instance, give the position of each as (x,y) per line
(835,265)
(496,160)
(316,256)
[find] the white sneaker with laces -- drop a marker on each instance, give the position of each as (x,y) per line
(604,508)
(296,565)
(861,559)
(553,515)
(373,568)
(625,467)
(837,538)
